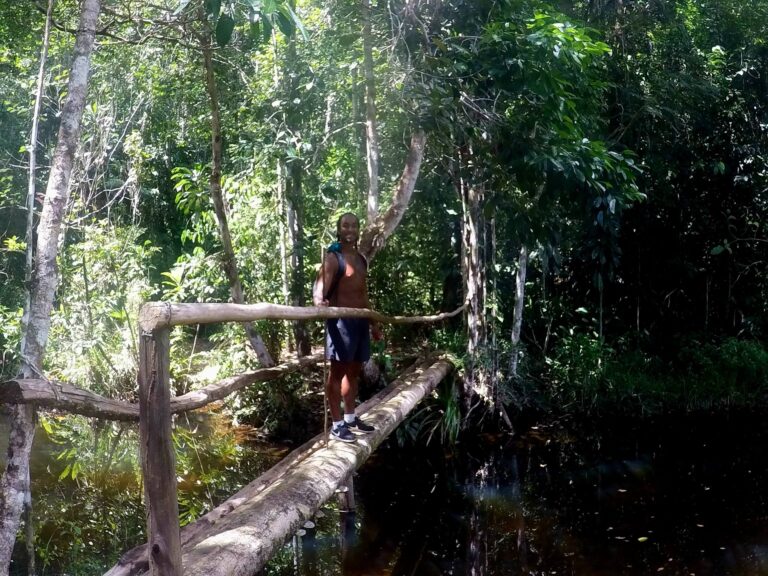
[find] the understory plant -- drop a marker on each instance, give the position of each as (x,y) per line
(438,418)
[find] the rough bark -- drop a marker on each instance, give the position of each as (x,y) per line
(371,130)
(36,320)
(228,260)
(154,315)
(376,233)
(239,536)
(64,396)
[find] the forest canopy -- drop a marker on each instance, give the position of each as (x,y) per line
(612,152)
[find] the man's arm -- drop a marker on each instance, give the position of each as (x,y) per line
(330,268)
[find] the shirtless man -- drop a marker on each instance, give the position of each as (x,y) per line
(348,341)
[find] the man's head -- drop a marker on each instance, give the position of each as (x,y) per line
(348,228)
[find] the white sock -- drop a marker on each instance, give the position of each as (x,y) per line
(337,424)
(349,418)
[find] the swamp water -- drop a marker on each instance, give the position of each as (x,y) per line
(679,496)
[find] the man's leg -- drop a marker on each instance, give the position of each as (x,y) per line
(333,388)
(349,385)
(333,392)
(349,393)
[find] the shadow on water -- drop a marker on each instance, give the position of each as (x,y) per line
(678,496)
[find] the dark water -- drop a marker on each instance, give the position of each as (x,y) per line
(681,496)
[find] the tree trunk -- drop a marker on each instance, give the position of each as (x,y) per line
(242,542)
(294,208)
(158,457)
(282,231)
(473,268)
(37,317)
(30,251)
(371,130)
(395,401)
(517,318)
(295,204)
(377,232)
(229,261)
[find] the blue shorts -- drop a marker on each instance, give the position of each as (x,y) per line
(349,340)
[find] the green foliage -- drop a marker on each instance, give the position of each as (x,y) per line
(283,411)
(438,417)
(211,465)
(93,341)
(87,488)
(576,370)
(10,341)
(587,376)
(87,500)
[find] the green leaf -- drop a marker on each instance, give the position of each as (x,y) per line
(224,28)
(65,472)
(285,24)
(213,7)
(717,250)
(267,29)
(294,20)
(46,424)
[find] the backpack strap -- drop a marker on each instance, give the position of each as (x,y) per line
(339,273)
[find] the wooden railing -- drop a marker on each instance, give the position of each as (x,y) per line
(155,407)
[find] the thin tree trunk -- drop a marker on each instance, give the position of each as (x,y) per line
(30,251)
(229,261)
(294,213)
(295,202)
(517,318)
(359,134)
(371,130)
(377,232)
(36,321)
(283,205)
(472,201)
(290,191)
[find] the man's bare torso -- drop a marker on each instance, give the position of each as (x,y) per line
(351,291)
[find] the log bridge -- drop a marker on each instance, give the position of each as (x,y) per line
(239,536)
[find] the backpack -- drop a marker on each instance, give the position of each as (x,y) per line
(328,294)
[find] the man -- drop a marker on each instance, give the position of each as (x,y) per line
(348,340)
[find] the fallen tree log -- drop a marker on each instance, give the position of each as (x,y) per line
(255,505)
(154,315)
(64,396)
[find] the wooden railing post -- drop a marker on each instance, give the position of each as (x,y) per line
(158,459)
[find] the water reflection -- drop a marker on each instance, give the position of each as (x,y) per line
(87,492)
(680,496)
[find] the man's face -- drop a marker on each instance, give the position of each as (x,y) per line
(349,229)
